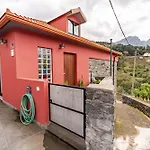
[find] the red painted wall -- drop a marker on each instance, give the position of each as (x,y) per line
(22,70)
(13,88)
(60,23)
(27,63)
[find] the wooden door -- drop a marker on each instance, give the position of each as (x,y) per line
(69,68)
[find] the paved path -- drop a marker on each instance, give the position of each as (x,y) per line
(132,129)
(15,136)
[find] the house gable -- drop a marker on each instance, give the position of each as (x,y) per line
(76,17)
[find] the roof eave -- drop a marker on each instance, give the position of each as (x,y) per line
(8,17)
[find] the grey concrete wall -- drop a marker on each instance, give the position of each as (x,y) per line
(142,106)
(99,68)
(99,118)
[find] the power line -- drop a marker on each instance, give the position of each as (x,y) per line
(118,22)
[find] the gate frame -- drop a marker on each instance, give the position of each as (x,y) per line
(84,108)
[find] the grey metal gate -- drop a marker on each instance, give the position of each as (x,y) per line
(67,107)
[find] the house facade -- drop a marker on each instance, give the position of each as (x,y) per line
(34,52)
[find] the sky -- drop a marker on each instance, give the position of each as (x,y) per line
(101,24)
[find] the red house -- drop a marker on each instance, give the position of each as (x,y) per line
(32,51)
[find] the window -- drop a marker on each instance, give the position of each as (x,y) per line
(73,28)
(44,64)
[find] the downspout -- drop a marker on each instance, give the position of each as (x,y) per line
(110,57)
(114,69)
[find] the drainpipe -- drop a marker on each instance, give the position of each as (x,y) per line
(114,69)
(110,57)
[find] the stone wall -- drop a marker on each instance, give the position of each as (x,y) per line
(99,118)
(99,68)
(142,106)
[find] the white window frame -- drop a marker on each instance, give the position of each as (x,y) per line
(48,58)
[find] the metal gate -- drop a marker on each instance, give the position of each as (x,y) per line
(67,107)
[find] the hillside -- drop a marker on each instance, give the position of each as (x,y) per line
(135,41)
(125,73)
(128,50)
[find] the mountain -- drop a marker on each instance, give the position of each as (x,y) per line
(135,41)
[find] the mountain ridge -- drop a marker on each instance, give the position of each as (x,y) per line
(135,41)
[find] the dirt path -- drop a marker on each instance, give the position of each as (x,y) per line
(131,126)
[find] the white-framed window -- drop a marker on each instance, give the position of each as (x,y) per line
(44,63)
(73,28)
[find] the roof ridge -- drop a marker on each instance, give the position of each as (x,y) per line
(8,11)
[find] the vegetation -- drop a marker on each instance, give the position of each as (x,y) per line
(96,81)
(128,50)
(81,82)
(66,83)
(125,73)
(143,91)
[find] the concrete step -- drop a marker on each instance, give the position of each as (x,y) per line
(70,138)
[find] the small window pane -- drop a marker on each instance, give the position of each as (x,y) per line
(40,76)
(76,29)
(40,71)
(44,66)
(49,76)
(39,60)
(39,55)
(70,27)
(44,76)
(39,66)
(39,50)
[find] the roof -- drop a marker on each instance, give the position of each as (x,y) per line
(44,26)
(71,13)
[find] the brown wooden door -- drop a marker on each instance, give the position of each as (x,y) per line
(69,68)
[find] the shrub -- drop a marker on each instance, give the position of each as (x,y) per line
(81,82)
(143,91)
(136,92)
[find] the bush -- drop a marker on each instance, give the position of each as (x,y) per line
(96,81)
(136,92)
(143,91)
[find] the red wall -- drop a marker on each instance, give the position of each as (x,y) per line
(26,58)
(22,70)
(60,23)
(13,88)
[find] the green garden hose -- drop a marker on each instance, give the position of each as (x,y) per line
(27,115)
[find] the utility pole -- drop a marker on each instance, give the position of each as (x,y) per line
(110,57)
(134,68)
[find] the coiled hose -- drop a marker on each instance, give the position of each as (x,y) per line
(27,115)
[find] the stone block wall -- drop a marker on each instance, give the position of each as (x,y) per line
(99,68)
(99,119)
(142,106)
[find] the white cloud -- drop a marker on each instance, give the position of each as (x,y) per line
(101,24)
